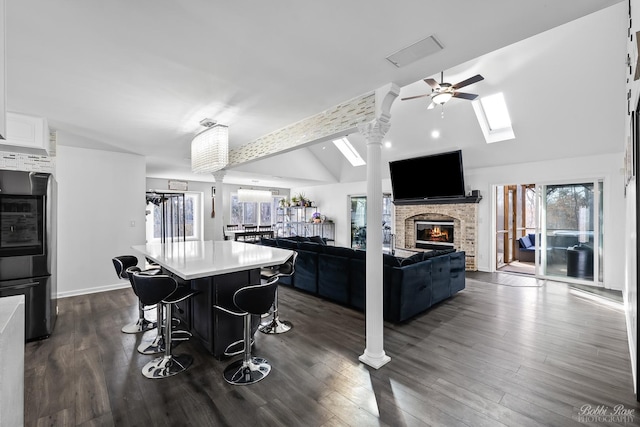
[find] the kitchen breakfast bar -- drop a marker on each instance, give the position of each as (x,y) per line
(216,269)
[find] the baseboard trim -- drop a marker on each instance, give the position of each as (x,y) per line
(95,290)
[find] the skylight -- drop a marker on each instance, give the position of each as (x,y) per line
(349,152)
(495,110)
(493,117)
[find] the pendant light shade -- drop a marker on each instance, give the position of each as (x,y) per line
(210,149)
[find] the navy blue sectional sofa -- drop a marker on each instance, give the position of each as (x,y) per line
(411,285)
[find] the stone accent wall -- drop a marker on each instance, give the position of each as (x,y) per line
(465,223)
(336,120)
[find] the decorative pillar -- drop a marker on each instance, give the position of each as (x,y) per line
(218,205)
(374,131)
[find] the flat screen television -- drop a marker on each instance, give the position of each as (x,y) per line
(429,177)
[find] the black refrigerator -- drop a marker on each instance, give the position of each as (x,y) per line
(27,238)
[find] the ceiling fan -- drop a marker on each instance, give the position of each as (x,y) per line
(442,92)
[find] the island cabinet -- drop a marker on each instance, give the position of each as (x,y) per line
(216,270)
(218,291)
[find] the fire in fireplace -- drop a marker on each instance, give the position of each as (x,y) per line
(434,234)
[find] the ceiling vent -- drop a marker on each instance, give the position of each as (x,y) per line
(418,50)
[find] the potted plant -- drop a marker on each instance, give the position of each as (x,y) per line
(295,200)
(316,217)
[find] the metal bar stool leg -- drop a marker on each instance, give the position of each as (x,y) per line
(249,369)
(275,325)
(167,365)
(140,325)
(157,345)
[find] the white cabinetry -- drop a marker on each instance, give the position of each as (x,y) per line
(27,132)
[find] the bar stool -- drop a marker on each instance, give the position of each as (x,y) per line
(251,300)
(275,325)
(163,290)
(122,264)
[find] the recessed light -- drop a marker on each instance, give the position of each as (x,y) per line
(387,144)
(435,134)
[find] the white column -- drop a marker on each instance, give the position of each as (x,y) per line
(374,354)
(219,206)
(374,131)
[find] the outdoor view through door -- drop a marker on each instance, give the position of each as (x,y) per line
(571,227)
(559,226)
(515,218)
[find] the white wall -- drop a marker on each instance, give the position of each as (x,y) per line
(100,194)
(606,166)
(222,201)
(332,200)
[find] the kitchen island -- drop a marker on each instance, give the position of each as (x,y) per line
(216,269)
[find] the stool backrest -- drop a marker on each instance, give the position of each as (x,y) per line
(256,299)
(121,263)
(152,289)
(289,267)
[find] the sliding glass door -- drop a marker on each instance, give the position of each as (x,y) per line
(571,231)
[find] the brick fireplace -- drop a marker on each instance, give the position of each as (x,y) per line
(464,217)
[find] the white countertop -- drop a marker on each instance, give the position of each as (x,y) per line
(196,259)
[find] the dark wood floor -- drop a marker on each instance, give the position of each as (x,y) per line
(493,355)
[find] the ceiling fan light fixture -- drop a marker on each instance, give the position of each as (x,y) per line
(441,98)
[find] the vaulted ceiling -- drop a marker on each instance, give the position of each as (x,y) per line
(139,76)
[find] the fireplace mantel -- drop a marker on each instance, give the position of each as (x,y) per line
(465,218)
(440,201)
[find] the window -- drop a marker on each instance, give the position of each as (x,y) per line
(253,212)
(493,117)
(174,217)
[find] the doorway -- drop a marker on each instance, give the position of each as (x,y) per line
(551,230)
(515,221)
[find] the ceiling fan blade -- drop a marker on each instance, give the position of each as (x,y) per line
(414,97)
(469,96)
(431,106)
(469,81)
(434,84)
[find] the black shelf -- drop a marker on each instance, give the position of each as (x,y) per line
(440,201)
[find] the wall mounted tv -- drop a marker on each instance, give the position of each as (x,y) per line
(429,177)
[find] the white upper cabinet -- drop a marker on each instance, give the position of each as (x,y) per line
(27,132)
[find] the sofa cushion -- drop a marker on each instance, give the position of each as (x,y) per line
(287,244)
(317,239)
(440,278)
(333,276)
(417,257)
(457,273)
(268,242)
(339,251)
(532,238)
(438,252)
(525,242)
(306,275)
(311,247)
(390,260)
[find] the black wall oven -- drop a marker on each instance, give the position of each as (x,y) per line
(26,226)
